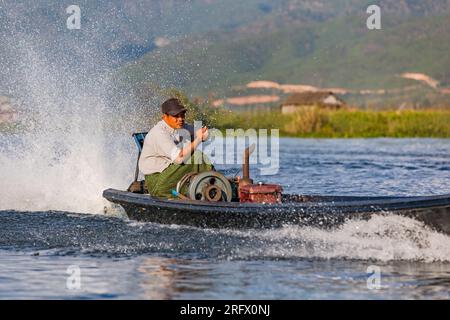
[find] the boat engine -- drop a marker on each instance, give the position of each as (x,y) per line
(212,186)
(206,186)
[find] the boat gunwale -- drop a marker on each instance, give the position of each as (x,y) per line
(366,203)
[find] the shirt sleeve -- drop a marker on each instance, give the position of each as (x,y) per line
(167,147)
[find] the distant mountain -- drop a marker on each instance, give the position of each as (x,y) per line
(214,45)
(323,52)
(119,26)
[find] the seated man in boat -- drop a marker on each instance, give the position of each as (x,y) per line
(169,151)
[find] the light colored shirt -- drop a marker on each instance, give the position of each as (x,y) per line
(162,146)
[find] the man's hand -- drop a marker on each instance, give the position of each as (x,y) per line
(202,134)
(205,133)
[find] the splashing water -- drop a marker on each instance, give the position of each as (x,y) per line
(70,146)
(383,238)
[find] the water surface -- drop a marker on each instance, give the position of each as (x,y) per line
(120,259)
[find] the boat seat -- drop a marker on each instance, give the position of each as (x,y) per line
(138,186)
(139,139)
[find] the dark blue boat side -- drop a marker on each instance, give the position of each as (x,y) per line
(318,211)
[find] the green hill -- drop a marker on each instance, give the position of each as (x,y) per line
(218,45)
(340,52)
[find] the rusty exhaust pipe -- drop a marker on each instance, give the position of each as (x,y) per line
(246,166)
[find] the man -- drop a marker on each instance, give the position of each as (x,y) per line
(169,150)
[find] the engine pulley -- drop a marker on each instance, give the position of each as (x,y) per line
(206,186)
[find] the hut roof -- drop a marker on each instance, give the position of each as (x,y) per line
(249,100)
(310,98)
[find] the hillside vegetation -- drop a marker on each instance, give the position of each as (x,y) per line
(339,52)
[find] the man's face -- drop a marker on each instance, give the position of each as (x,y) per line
(175,122)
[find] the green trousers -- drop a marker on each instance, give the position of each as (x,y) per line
(161,184)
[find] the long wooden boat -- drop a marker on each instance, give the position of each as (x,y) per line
(318,211)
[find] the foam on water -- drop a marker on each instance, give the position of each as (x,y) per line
(383,237)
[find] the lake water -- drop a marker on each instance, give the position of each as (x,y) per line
(42,246)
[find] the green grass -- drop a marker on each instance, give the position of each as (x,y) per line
(322,123)
(315,122)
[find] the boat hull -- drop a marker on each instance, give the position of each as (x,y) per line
(317,211)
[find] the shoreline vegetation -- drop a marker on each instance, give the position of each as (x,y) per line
(323,123)
(310,122)
(317,122)
(346,123)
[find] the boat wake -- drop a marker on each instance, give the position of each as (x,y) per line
(382,238)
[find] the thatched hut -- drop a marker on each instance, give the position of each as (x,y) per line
(297,101)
